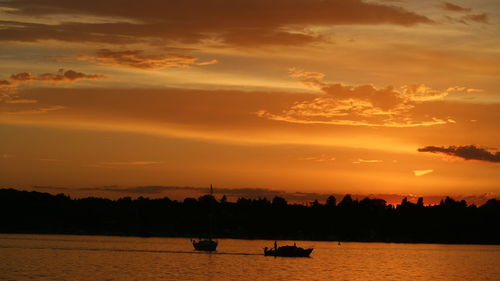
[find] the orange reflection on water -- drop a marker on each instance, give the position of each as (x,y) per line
(67,257)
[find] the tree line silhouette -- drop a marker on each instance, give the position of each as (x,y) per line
(348,220)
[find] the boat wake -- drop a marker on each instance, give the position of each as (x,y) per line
(129,250)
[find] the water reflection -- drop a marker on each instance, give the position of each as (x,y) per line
(60,257)
(128,250)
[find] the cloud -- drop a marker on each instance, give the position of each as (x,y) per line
(40,110)
(467,152)
(480,18)
(172,113)
(4,84)
(116,164)
(9,87)
(360,105)
(455,8)
(12,101)
(321,158)
(236,23)
(419,173)
(387,122)
(385,97)
(423,93)
(262,37)
(61,76)
(51,160)
(131,163)
(359,161)
(368,96)
(138,60)
(308,78)
(468,17)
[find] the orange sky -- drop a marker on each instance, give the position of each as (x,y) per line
(299,97)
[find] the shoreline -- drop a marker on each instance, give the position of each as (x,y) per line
(247,238)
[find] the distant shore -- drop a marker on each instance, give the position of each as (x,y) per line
(367,220)
(244,238)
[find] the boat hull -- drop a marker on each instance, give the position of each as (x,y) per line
(288,251)
(205,245)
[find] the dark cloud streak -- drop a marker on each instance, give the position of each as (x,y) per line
(480,18)
(60,76)
(455,8)
(468,17)
(239,22)
(467,152)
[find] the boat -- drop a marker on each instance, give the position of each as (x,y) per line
(206,244)
(287,251)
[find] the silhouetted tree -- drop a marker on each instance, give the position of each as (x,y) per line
(315,204)
(279,201)
(368,220)
(207,200)
(420,202)
(491,204)
(346,201)
(331,201)
(404,202)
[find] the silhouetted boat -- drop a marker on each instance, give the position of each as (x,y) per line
(287,251)
(206,244)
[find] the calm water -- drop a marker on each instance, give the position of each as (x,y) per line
(67,257)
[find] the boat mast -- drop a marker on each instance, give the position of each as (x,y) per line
(210,216)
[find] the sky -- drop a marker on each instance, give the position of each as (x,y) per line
(297,98)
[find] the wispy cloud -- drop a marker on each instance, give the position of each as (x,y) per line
(455,8)
(138,60)
(233,23)
(321,158)
(40,110)
(480,18)
(419,173)
(51,160)
(469,15)
(467,152)
(130,163)
(4,84)
(24,101)
(9,88)
(360,161)
(117,164)
(61,76)
(361,105)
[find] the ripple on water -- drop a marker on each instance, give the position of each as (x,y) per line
(81,258)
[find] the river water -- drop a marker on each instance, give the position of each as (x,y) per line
(70,257)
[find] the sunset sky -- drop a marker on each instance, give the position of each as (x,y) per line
(297,97)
